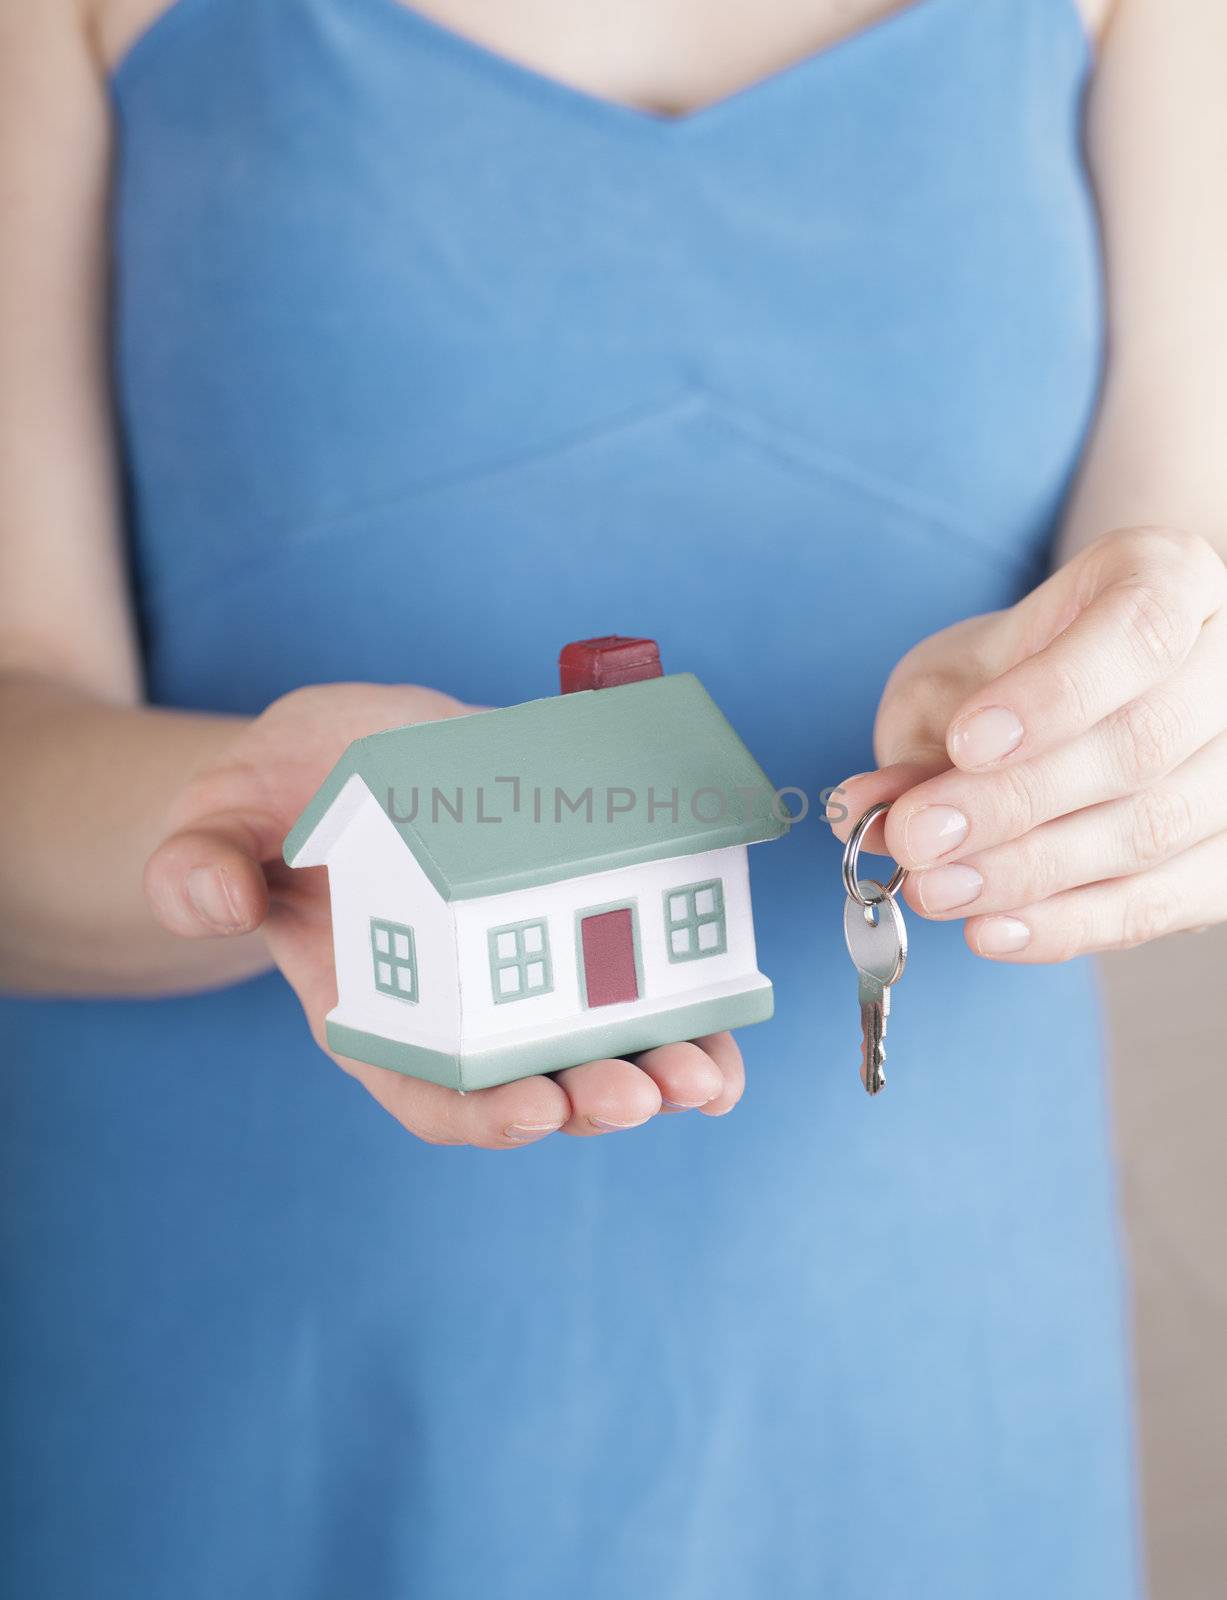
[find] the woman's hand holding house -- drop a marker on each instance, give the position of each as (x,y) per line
(219,874)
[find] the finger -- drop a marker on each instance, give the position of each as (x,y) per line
(503,1118)
(1186,892)
(206,880)
(685,1074)
(726,1053)
(206,877)
(1150,593)
(958,813)
(1106,841)
(850,800)
(931,681)
(607,1096)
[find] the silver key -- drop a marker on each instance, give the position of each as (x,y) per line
(877,942)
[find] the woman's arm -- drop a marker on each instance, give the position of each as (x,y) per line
(100,796)
(87,774)
(1057,771)
(1157,149)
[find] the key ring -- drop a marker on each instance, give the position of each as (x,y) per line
(852,856)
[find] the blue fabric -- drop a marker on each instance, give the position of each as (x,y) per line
(427,364)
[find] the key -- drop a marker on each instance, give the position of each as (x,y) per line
(875,1008)
(877,942)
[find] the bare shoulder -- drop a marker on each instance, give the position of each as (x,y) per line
(24,26)
(37,40)
(1188,19)
(114,26)
(1095,14)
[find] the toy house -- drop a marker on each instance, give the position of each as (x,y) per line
(521,890)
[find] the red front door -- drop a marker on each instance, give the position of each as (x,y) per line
(608,942)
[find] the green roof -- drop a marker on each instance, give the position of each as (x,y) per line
(596,776)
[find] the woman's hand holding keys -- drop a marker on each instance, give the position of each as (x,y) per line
(1058,770)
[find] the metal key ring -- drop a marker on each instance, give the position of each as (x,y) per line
(852,856)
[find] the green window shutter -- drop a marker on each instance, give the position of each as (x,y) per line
(520,965)
(394,958)
(694,921)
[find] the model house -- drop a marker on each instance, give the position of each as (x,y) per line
(525,889)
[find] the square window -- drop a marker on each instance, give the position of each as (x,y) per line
(694,921)
(394,955)
(520,960)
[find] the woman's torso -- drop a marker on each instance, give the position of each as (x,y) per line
(425,364)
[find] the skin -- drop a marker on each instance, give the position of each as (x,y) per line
(150,837)
(1056,771)
(1105,826)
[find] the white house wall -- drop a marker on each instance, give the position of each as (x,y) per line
(664,983)
(372,874)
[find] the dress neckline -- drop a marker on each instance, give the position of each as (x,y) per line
(534,79)
(895,25)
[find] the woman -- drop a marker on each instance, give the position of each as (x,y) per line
(430,342)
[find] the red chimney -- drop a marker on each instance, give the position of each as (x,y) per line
(604,663)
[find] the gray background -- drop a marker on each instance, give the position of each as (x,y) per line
(1169,1082)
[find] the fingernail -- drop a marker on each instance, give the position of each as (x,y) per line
(933,831)
(208,891)
(683,1105)
(943,888)
(985,737)
(835,805)
(522,1132)
(998,936)
(613,1127)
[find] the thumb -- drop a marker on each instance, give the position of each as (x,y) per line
(206,879)
(909,743)
(909,731)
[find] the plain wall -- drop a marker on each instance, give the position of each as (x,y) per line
(372,874)
(1169,1078)
(487,1023)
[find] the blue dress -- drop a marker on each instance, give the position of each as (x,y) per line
(425,365)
